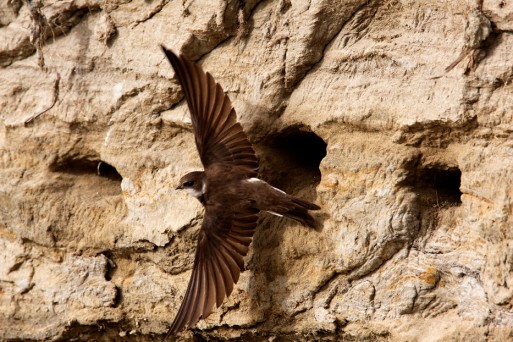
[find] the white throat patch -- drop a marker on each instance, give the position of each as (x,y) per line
(197,193)
(194,192)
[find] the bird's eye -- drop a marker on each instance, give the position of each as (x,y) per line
(188,183)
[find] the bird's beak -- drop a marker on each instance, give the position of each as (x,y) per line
(179,187)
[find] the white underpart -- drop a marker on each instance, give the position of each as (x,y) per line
(194,192)
(203,188)
(283,192)
(272,212)
(257,180)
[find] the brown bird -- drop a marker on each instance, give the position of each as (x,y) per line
(228,189)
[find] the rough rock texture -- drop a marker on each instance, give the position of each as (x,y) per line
(348,103)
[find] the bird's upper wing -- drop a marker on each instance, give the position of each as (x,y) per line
(219,137)
(223,241)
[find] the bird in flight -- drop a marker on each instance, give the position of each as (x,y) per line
(229,190)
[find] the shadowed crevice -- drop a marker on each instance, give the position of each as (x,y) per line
(438,186)
(292,157)
(84,166)
(437,190)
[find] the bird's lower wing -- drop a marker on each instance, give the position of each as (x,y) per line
(222,244)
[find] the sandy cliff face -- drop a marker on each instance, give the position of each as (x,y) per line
(348,103)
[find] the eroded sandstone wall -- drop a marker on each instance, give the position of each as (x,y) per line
(349,104)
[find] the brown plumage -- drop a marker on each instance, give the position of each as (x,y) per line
(229,191)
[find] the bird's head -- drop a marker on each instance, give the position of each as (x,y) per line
(193,183)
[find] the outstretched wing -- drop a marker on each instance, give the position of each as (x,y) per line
(219,137)
(223,241)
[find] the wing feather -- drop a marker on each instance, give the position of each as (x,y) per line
(219,137)
(211,292)
(222,244)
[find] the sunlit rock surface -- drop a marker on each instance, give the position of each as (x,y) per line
(348,103)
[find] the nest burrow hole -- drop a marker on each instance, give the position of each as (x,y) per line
(293,157)
(439,186)
(84,166)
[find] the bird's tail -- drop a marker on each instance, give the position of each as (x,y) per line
(298,210)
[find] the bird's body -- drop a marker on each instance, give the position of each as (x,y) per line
(223,186)
(229,190)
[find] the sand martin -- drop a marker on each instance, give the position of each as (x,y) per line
(229,190)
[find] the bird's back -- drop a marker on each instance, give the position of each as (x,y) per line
(225,185)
